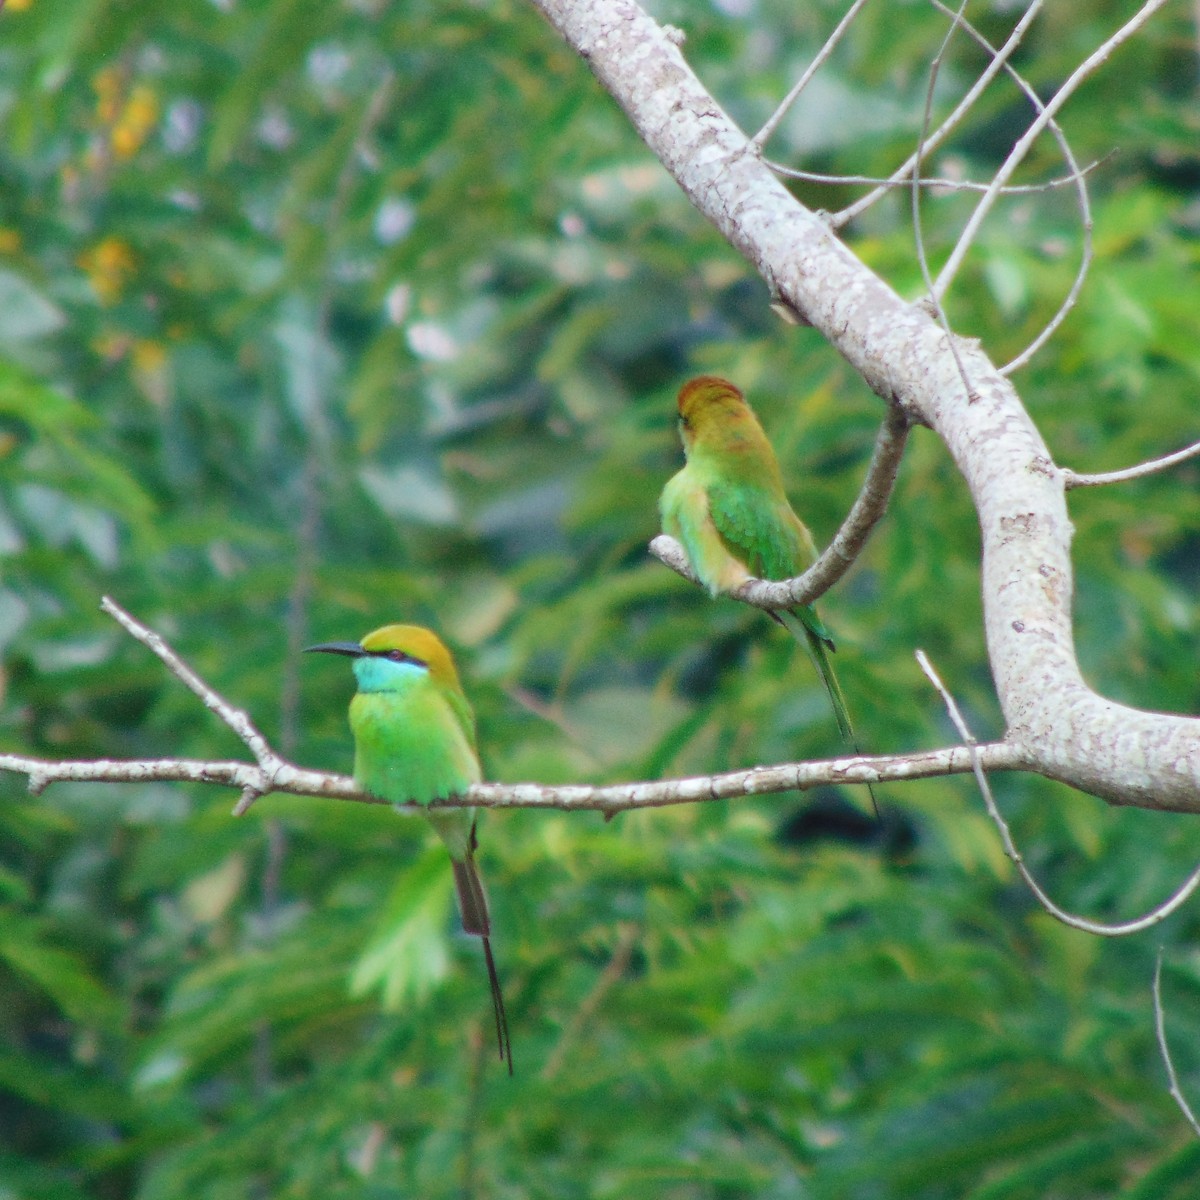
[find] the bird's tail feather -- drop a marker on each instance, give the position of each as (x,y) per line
(818,644)
(477,921)
(472,899)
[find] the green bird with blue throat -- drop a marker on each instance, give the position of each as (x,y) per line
(728,508)
(414,743)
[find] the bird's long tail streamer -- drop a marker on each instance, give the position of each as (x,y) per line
(818,649)
(498,1007)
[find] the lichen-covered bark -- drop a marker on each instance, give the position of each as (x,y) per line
(1060,726)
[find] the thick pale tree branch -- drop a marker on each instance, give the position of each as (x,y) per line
(1063,728)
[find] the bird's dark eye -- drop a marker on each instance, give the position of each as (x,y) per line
(400,657)
(684,423)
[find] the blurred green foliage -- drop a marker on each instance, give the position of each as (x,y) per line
(314,316)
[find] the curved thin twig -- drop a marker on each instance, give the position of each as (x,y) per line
(1123,929)
(1074,479)
(1160,1033)
(838,557)
(933,298)
(935,139)
(1044,118)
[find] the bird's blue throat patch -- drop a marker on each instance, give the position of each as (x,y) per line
(375,674)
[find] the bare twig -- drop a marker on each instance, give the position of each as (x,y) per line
(1074,479)
(1160,1032)
(935,139)
(866,512)
(1077,177)
(760,138)
(237,719)
(1040,122)
(1153,917)
(934,298)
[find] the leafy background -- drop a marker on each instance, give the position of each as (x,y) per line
(314,316)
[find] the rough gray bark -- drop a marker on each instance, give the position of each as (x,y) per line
(1057,725)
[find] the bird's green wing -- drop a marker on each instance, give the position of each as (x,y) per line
(760,529)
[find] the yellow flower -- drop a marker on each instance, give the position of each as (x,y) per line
(109,264)
(108,85)
(148,355)
(137,121)
(151,371)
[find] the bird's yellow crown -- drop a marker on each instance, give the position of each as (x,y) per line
(417,642)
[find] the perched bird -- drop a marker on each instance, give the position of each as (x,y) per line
(728,509)
(414,742)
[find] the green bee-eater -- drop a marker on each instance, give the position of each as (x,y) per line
(728,509)
(414,742)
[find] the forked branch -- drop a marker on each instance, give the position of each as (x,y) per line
(272,773)
(1073,735)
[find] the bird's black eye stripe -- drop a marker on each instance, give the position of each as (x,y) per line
(398,656)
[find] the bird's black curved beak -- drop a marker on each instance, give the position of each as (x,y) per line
(350,649)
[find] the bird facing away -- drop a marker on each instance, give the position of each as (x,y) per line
(414,742)
(728,509)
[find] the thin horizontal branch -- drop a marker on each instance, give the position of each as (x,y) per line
(839,556)
(930,181)
(273,774)
(606,798)
(240,775)
(1075,479)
